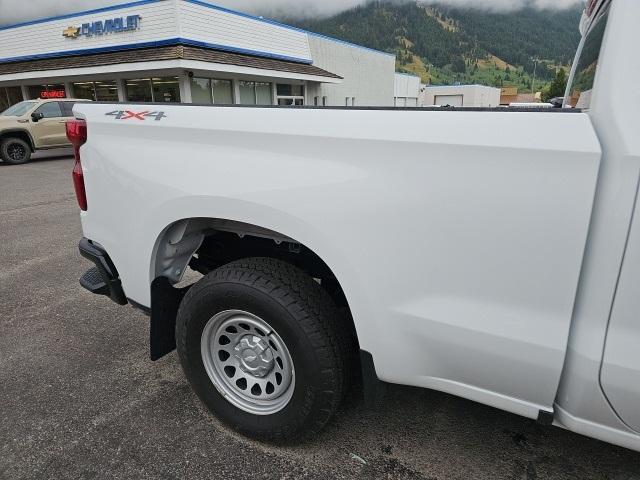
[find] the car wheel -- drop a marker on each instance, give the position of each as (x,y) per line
(258,341)
(15,151)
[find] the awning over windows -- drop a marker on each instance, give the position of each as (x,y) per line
(176,52)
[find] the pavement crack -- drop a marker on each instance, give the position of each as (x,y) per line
(63,199)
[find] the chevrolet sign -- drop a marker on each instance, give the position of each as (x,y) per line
(104,27)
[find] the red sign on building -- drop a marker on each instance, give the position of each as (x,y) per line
(52,94)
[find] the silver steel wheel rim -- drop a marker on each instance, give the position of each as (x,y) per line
(247,362)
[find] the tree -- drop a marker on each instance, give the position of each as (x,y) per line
(459,65)
(557,87)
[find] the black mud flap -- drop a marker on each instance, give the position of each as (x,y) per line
(165,301)
(373,389)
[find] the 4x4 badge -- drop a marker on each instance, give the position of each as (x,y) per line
(128,114)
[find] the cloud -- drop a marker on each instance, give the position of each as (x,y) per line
(14,11)
(509,5)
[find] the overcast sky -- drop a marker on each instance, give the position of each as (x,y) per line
(13,11)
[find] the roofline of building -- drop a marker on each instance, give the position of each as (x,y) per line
(155,43)
(144,68)
(196,2)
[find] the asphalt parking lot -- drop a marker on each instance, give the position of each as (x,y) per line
(79,397)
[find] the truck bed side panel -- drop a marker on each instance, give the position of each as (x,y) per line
(457,237)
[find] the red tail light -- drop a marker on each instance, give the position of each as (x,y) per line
(77,135)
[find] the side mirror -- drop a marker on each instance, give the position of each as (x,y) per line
(37,116)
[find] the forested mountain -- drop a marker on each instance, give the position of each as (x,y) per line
(444,44)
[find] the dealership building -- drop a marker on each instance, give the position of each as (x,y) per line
(188,51)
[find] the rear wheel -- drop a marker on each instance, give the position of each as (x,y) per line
(15,151)
(259,342)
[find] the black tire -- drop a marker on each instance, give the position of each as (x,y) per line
(15,151)
(303,315)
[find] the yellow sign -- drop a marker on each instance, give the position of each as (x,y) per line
(71,32)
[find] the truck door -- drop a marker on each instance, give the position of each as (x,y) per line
(620,374)
(49,131)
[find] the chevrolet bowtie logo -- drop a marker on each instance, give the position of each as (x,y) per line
(71,32)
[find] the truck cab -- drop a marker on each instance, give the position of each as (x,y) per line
(34,125)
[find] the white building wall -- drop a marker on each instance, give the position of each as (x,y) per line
(368,75)
(164,20)
(158,22)
(406,90)
(472,95)
(215,26)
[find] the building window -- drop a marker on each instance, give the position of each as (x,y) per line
(9,96)
(102,91)
(287,90)
(165,89)
(206,90)
(84,90)
(325,102)
(139,90)
(201,90)
(106,91)
(247,93)
(347,102)
(222,92)
(47,91)
(288,94)
(353,101)
(316,101)
(291,102)
(255,93)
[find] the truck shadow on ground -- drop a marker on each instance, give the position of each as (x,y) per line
(417,433)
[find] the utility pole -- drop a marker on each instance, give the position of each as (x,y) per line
(533,82)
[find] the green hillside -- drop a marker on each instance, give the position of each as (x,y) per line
(444,45)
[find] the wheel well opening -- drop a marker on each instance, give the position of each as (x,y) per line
(219,248)
(205,244)
(22,135)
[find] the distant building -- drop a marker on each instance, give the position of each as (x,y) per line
(187,51)
(406,90)
(461,96)
(509,95)
(574,98)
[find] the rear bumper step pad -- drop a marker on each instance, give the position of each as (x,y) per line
(103,278)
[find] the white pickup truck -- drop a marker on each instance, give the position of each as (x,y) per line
(491,254)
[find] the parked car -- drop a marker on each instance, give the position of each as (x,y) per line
(490,254)
(34,125)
